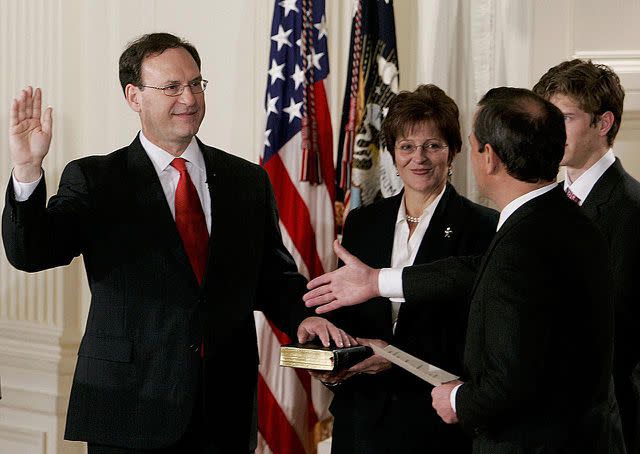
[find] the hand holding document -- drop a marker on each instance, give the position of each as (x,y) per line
(428,372)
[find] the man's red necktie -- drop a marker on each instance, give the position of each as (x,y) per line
(190,220)
(572,196)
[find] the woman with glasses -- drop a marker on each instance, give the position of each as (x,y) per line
(380,408)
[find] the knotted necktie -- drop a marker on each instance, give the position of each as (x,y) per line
(572,196)
(190,220)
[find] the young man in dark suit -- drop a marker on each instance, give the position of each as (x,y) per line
(181,244)
(538,351)
(591,98)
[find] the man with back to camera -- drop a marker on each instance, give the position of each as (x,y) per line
(591,98)
(538,352)
(180,243)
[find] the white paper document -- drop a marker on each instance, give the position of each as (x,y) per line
(427,372)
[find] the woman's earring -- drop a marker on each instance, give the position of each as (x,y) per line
(450,172)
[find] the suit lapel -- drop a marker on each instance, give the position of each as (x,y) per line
(602,191)
(510,223)
(383,231)
(438,240)
(149,206)
(385,227)
(221,190)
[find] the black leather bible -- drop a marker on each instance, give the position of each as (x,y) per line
(314,356)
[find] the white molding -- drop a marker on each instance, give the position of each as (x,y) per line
(621,61)
(29,331)
(35,401)
(32,346)
(626,63)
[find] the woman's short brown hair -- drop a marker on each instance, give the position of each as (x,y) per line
(427,103)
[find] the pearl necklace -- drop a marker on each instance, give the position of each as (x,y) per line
(412,219)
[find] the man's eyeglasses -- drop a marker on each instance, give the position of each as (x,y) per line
(429,147)
(197,86)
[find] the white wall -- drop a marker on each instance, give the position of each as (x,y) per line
(70,48)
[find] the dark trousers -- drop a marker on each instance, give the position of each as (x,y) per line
(195,440)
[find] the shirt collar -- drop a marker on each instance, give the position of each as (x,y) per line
(402,211)
(161,159)
(517,203)
(585,182)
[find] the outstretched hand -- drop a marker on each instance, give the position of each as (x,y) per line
(29,134)
(354,283)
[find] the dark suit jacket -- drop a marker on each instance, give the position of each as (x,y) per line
(391,411)
(539,344)
(139,368)
(614,206)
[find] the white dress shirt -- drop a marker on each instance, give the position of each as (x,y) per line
(22,191)
(167,175)
(585,182)
(405,248)
(517,203)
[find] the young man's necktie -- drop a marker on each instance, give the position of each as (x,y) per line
(572,196)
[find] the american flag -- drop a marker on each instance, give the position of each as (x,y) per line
(298,156)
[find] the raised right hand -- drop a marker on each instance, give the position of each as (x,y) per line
(29,134)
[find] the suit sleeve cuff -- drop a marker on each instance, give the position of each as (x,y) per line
(390,284)
(22,191)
